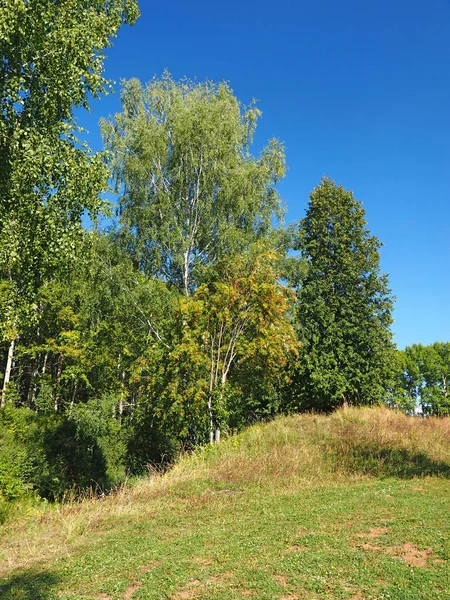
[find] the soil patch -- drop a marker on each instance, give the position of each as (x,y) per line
(281,580)
(368,546)
(375,532)
(189,591)
(130,591)
(410,554)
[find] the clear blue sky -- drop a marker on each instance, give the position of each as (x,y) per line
(359,91)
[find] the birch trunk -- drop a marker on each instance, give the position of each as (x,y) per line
(44,366)
(8,369)
(186,272)
(211,421)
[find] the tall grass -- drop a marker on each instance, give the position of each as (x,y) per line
(301,450)
(309,448)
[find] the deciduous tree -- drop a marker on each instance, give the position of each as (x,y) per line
(424,379)
(233,328)
(191,191)
(51,60)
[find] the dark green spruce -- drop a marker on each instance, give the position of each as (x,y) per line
(345,307)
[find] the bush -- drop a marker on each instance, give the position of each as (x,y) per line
(51,453)
(17,428)
(148,443)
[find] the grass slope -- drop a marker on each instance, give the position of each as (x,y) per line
(350,506)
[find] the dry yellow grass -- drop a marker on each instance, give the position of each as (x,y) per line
(309,447)
(300,450)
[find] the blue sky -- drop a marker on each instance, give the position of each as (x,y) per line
(358,91)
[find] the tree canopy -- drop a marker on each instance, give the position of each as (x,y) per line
(190,189)
(423,379)
(51,61)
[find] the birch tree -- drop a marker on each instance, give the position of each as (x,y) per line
(190,189)
(51,61)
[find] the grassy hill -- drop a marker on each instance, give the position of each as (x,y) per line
(354,505)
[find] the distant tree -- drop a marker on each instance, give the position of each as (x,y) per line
(51,60)
(344,306)
(191,191)
(424,379)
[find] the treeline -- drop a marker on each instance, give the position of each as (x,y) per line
(196,312)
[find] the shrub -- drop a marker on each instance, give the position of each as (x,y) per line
(51,453)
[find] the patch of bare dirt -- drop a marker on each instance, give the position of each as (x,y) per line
(183,595)
(410,554)
(290,597)
(281,580)
(188,592)
(374,532)
(369,546)
(203,561)
(130,591)
(220,577)
(407,552)
(103,596)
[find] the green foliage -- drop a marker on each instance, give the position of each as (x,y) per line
(233,333)
(51,60)
(344,308)
(123,349)
(423,378)
(50,453)
(15,465)
(191,191)
(150,444)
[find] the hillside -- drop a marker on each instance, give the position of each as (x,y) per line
(348,506)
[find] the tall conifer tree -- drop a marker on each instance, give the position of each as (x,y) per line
(345,306)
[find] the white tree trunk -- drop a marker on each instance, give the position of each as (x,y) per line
(186,272)
(8,369)
(44,366)
(211,421)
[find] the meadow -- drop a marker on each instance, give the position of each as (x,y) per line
(350,506)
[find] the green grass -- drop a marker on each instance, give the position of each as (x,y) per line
(350,506)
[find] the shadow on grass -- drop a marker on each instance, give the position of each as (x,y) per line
(392,462)
(29,586)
